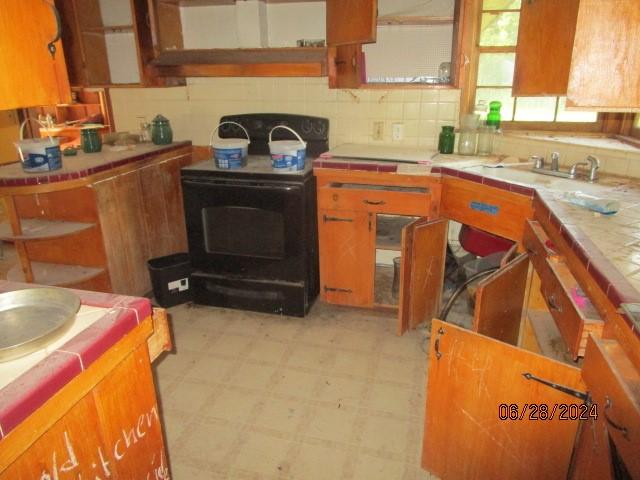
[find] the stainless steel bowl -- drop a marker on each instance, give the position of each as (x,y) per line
(31,319)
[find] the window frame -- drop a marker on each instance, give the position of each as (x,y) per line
(472,55)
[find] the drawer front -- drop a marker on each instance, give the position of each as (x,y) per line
(614,385)
(491,209)
(375,201)
(574,322)
(535,242)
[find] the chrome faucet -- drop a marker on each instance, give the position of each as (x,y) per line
(594,165)
(555,161)
(574,167)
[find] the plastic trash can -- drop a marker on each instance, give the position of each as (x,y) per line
(170,279)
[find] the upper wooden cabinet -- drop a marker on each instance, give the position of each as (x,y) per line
(107,43)
(31,75)
(605,66)
(545,44)
(351,21)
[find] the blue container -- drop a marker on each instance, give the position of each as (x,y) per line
(40,154)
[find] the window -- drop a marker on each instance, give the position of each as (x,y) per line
(496,61)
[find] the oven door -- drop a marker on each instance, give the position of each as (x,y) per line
(246,229)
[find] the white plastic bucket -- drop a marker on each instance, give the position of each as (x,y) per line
(287,155)
(230,152)
(38,154)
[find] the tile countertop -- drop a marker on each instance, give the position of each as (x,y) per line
(83,164)
(609,245)
(28,382)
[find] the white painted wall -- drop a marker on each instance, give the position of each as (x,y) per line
(122,55)
(408,50)
(209,26)
(416,7)
(252,24)
(115,12)
(289,22)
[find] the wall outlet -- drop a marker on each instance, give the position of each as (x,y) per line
(378,130)
(397,132)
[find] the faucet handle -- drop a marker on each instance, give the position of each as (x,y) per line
(538,161)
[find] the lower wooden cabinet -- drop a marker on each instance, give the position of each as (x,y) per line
(381,244)
(486,419)
(347,258)
(104,424)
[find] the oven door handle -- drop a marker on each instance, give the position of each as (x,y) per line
(253,186)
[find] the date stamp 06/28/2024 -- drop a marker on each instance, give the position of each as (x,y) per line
(547,412)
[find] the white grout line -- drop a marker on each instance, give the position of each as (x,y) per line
(73,353)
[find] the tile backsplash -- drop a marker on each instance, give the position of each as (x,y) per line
(195,109)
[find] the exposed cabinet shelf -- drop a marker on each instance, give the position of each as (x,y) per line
(55,274)
(34,229)
(389,231)
(292,61)
(109,29)
(414,20)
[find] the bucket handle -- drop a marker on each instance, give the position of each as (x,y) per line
(286,128)
(22,125)
(223,123)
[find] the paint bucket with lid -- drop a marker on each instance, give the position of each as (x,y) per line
(38,154)
(230,152)
(287,155)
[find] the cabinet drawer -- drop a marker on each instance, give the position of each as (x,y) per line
(574,314)
(614,385)
(395,200)
(537,244)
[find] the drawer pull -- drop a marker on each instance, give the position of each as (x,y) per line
(340,290)
(607,405)
(553,303)
(328,218)
(374,202)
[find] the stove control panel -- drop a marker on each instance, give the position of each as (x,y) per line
(313,130)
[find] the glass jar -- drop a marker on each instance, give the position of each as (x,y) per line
(161,133)
(485,140)
(446,140)
(467,142)
(90,140)
(444,72)
(494,117)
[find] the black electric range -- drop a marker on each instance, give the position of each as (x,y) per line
(252,231)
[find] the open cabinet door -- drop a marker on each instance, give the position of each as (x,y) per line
(499,301)
(474,381)
(424,244)
(351,21)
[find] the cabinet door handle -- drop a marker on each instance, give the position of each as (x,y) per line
(531,252)
(553,303)
(607,406)
(374,202)
(51,45)
(328,218)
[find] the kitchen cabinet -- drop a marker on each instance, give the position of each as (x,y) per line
(107,42)
(170,55)
(545,46)
(477,390)
(351,22)
(364,218)
(605,63)
(545,342)
(87,430)
(97,232)
(31,74)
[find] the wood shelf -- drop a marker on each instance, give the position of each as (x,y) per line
(53,274)
(268,62)
(38,229)
(414,20)
(109,29)
(389,231)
